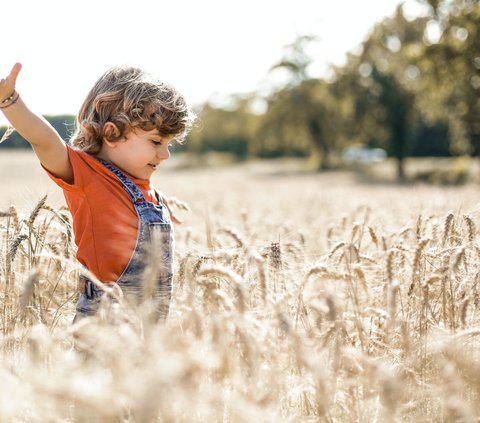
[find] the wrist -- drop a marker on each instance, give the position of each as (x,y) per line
(10,100)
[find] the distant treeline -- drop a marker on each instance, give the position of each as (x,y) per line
(64,124)
(425,141)
(411,88)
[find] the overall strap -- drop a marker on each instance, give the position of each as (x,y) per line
(128,185)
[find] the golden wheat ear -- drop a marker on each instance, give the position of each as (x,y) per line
(181,205)
(7,133)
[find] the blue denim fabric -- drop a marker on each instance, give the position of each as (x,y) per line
(152,258)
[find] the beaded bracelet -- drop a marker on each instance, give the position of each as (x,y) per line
(8,98)
(10,101)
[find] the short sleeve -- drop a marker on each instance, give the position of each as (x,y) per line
(81,173)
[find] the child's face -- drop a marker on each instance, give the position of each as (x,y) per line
(139,153)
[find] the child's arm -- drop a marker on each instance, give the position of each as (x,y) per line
(46,142)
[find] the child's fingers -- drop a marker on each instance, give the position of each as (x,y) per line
(7,85)
(12,78)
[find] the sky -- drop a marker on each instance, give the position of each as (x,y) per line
(208,49)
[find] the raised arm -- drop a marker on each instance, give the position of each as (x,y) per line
(45,140)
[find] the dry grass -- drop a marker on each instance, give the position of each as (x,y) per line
(298,298)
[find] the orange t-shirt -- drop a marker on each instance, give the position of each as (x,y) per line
(105,222)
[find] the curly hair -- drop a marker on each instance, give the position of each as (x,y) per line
(129,98)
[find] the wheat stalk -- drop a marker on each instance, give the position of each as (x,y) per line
(10,130)
(231,276)
(447,226)
(35,212)
(472,230)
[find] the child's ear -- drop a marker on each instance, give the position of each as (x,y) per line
(111,133)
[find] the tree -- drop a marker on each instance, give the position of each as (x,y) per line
(382,80)
(303,118)
(453,62)
(224,129)
(304,111)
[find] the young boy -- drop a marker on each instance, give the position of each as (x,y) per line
(121,223)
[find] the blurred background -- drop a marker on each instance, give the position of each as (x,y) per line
(388,89)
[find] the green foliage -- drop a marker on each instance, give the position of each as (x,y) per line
(430,140)
(224,130)
(457,172)
(453,65)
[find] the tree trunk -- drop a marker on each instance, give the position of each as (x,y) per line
(474,144)
(321,146)
(401,169)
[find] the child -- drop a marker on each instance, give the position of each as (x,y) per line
(121,223)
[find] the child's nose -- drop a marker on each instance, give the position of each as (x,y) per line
(163,153)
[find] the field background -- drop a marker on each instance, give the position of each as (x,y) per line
(204,186)
(281,198)
(299,297)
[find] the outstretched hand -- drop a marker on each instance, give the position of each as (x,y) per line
(7,85)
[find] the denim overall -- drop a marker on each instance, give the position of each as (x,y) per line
(151,258)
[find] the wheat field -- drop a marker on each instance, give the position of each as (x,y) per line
(298,297)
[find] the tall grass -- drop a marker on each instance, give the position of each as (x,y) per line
(361,316)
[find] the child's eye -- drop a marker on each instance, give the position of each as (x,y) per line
(156,142)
